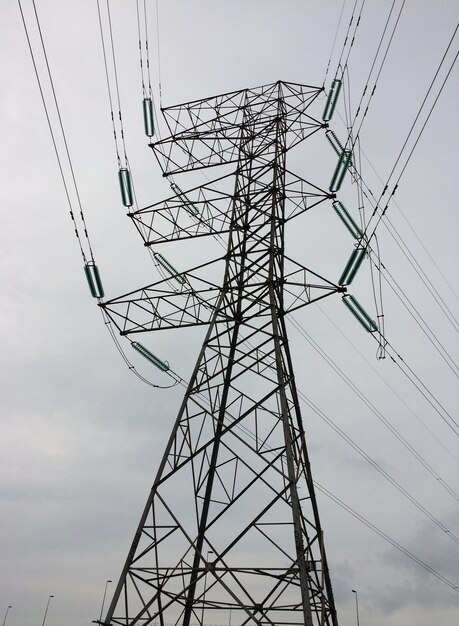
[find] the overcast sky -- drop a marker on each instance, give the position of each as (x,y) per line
(81,437)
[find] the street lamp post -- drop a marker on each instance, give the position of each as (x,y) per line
(6,614)
(103,600)
(356,605)
(46,610)
(205,587)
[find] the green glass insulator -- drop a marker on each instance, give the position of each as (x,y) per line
(148,119)
(145,352)
(352,266)
(93,277)
(359,313)
(342,166)
(124,176)
(332,99)
(347,219)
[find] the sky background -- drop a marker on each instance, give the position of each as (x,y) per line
(81,437)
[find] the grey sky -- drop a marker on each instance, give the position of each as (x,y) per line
(81,437)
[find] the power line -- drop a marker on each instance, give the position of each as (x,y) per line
(424,391)
(425,100)
(53,138)
(107,78)
(410,226)
(354,34)
(73,177)
(350,441)
(396,433)
(402,400)
(338,65)
(420,321)
(334,41)
(115,72)
(402,295)
(386,537)
(63,133)
(431,288)
(377,208)
(399,292)
(140,49)
(159,56)
(417,267)
(380,68)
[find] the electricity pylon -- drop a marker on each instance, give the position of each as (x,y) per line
(230,533)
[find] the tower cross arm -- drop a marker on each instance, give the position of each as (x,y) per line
(175,302)
(303,286)
(198,212)
(209,132)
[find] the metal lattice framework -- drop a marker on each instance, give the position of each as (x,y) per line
(230,533)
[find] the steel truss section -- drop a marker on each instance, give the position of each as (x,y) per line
(203,211)
(230,533)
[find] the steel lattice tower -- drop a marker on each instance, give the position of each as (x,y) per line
(230,533)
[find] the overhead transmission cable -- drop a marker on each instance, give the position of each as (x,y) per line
(411,308)
(378,414)
(107,78)
(421,386)
(419,112)
(353,37)
(334,40)
(420,321)
(115,73)
(147,48)
(353,139)
(159,56)
(356,135)
(424,390)
(406,301)
(425,123)
(386,537)
(401,293)
(410,226)
(394,391)
(414,378)
(348,35)
(403,297)
(89,265)
(53,138)
(377,211)
(340,432)
(144,43)
(77,193)
(374,58)
(416,265)
(355,171)
(377,290)
(144,90)
(425,99)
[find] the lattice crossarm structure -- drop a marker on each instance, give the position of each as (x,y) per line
(150,309)
(207,133)
(165,305)
(198,212)
(302,195)
(231,532)
(303,286)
